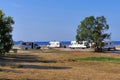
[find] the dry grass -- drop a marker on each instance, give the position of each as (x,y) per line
(58,65)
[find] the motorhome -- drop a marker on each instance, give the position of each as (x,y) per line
(54,44)
(108,45)
(29,45)
(76,45)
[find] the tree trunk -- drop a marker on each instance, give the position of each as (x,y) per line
(98,49)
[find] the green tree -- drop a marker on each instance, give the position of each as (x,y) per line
(6,40)
(93,30)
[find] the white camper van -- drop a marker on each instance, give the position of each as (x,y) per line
(29,45)
(108,45)
(54,44)
(76,45)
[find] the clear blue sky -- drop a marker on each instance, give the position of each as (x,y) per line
(45,20)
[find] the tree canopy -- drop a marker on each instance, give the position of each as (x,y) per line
(6,29)
(93,30)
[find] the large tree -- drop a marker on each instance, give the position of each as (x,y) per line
(6,40)
(93,30)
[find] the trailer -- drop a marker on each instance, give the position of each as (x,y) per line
(80,45)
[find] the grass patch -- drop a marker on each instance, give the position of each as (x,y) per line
(111,59)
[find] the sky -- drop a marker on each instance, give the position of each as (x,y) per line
(47,20)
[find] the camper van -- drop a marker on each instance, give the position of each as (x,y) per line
(54,44)
(76,45)
(29,45)
(108,45)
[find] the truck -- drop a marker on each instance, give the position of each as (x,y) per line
(29,45)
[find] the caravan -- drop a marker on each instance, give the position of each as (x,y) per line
(76,45)
(108,45)
(54,44)
(29,45)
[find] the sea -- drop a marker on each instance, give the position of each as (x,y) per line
(64,43)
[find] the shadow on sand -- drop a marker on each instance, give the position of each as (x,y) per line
(25,59)
(12,60)
(45,67)
(7,70)
(4,79)
(114,52)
